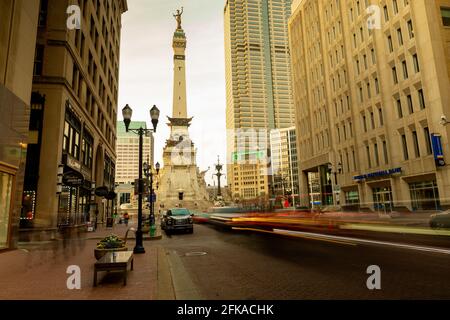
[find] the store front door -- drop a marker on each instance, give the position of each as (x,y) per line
(382,199)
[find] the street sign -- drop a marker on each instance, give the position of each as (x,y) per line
(111,195)
(73,179)
(152,198)
(101,191)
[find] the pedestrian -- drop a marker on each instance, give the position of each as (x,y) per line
(126,217)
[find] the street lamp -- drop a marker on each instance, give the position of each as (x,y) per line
(149,174)
(127,113)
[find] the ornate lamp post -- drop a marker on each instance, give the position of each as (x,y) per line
(127,113)
(148,171)
(219,174)
(335,171)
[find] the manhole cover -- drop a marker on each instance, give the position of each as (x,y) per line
(195,254)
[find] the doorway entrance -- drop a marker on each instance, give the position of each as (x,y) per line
(382,199)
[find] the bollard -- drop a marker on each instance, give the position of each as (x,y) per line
(152,230)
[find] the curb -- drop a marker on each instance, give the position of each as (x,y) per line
(184,288)
(164,285)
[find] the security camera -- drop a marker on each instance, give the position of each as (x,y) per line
(444,120)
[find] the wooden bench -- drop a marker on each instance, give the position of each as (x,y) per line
(114,261)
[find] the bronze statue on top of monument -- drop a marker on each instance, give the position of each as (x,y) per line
(177,16)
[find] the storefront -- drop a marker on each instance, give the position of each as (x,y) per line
(75,197)
(6,193)
(351,196)
(382,199)
(424,195)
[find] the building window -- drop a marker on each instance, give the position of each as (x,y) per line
(71,135)
(395,6)
(391,46)
(421,99)
(424,195)
(399,109)
(416,63)
(400,36)
(386,13)
(405,70)
(410,29)
(372,120)
(445,12)
(377,158)
(426,132)
(87,149)
(369,161)
(38,60)
(352,197)
(385,152)
(405,147)
(42,22)
(380,115)
(410,104)
(394,75)
(416,144)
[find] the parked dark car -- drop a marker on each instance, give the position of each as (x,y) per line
(177,219)
(440,220)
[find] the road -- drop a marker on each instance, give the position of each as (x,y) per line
(215,263)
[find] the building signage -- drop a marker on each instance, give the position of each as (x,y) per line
(378,174)
(73,163)
(73,179)
(437,150)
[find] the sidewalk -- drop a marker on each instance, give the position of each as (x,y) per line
(39,272)
(120,230)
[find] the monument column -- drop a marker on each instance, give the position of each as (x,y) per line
(179,79)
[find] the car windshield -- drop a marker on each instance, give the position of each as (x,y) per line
(180,212)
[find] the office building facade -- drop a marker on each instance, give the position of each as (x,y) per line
(283,150)
(371,82)
(74,114)
(258,90)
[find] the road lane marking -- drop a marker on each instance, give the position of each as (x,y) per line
(365,241)
(295,235)
(396,229)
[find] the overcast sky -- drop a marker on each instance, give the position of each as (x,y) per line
(146,70)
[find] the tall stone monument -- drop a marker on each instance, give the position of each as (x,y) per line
(181,183)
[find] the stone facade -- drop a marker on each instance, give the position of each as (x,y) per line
(369,102)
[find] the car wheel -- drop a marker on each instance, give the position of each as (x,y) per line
(191,230)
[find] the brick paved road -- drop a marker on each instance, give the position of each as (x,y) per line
(260,266)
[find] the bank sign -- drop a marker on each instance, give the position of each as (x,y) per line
(378,174)
(437,150)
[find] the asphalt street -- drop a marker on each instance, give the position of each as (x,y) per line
(215,263)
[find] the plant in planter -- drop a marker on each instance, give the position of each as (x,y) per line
(109,244)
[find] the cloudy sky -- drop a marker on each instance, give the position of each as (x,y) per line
(146,70)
